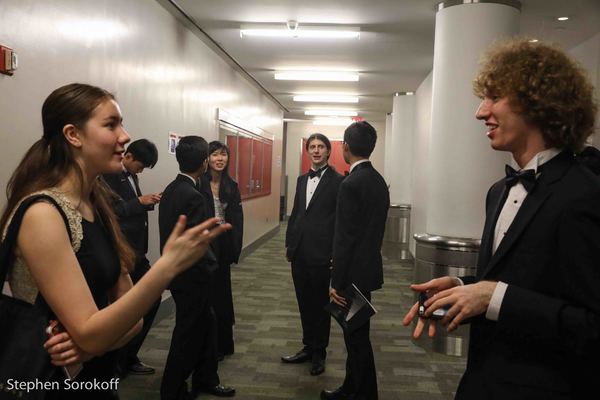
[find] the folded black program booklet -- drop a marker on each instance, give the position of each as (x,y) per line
(357,311)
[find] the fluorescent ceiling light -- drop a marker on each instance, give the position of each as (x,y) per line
(326,98)
(302,32)
(562,18)
(333,121)
(337,113)
(316,76)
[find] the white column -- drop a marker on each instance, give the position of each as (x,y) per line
(387,154)
(461,163)
(399,154)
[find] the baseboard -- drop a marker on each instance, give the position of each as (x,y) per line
(246,251)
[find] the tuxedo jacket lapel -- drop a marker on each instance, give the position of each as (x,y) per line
(542,190)
(498,195)
(302,192)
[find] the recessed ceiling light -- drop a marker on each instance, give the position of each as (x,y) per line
(333,121)
(562,18)
(292,30)
(533,40)
(316,76)
(337,113)
(326,98)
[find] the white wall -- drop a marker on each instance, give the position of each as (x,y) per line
(422,129)
(165,79)
(588,55)
(298,130)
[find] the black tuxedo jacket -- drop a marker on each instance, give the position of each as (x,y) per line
(132,215)
(230,242)
(182,197)
(546,342)
(362,207)
(314,226)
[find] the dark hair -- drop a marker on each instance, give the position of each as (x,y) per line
(360,137)
(50,159)
(215,145)
(191,152)
(545,86)
(143,151)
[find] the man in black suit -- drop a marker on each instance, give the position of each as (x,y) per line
(132,209)
(534,305)
(193,345)
(362,206)
(308,242)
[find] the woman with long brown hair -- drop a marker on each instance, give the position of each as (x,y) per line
(80,265)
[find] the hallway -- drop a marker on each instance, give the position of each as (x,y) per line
(268,326)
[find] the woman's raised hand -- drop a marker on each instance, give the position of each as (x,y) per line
(185,247)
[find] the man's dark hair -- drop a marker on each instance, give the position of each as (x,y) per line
(143,151)
(320,137)
(191,153)
(361,138)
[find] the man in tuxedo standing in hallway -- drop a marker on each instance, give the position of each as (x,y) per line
(534,304)
(132,209)
(362,207)
(308,242)
(194,342)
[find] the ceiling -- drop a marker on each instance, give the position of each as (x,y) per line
(394,52)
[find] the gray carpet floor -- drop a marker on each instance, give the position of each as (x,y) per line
(268,326)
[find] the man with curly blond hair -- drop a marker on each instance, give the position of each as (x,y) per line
(534,305)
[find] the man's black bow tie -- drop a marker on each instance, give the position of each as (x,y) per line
(525,176)
(312,173)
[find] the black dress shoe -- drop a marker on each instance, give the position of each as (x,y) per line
(336,394)
(219,391)
(299,357)
(139,368)
(318,366)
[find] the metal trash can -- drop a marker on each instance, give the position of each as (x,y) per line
(397,231)
(437,256)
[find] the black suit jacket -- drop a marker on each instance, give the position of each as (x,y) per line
(182,197)
(314,226)
(362,207)
(546,342)
(230,242)
(133,216)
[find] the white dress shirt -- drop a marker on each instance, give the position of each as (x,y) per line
(311,185)
(514,200)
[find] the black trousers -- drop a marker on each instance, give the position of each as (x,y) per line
(193,345)
(361,378)
(312,292)
(128,353)
(222,302)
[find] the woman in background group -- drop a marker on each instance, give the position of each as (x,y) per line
(73,253)
(227,207)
